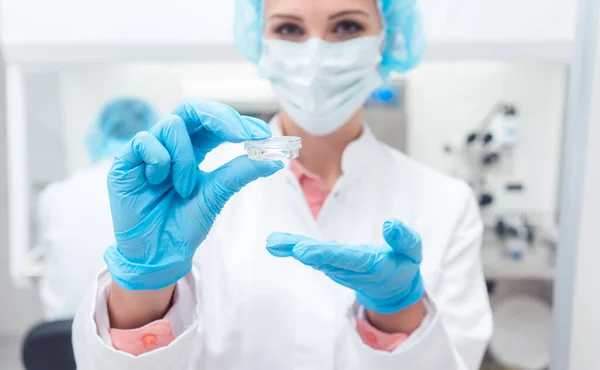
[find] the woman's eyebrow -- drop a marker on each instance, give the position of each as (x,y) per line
(348,12)
(286,16)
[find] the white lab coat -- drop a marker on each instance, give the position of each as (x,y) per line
(242,308)
(75,226)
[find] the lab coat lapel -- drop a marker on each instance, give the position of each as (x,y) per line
(360,204)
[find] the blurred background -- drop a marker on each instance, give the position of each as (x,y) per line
(489,104)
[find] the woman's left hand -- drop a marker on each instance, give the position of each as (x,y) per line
(386,278)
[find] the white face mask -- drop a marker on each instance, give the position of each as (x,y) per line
(321,85)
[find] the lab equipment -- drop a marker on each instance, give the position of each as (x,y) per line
(487,150)
(403,46)
(157,227)
(516,236)
(386,278)
(320,84)
(277,148)
(486,154)
(491,145)
(118,122)
(490,158)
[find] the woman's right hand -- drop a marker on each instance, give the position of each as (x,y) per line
(162,205)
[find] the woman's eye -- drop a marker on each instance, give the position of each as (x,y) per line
(289,30)
(347,28)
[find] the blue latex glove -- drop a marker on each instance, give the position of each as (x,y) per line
(162,205)
(386,278)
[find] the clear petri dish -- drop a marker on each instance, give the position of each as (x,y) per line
(274,149)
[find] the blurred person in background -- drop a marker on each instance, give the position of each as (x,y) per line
(353,256)
(74,214)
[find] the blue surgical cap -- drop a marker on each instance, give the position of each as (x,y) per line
(404,42)
(118,122)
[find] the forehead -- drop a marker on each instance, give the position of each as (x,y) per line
(308,7)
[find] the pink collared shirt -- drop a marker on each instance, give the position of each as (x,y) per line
(159,333)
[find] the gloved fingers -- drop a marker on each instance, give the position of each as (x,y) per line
(358,279)
(404,241)
(260,129)
(211,123)
(172,134)
(239,172)
(330,256)
(282,244)
(145,149)
(341,280)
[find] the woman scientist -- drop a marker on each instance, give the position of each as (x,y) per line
(195,284)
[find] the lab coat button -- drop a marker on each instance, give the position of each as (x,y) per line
(370,338)
(149,340)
